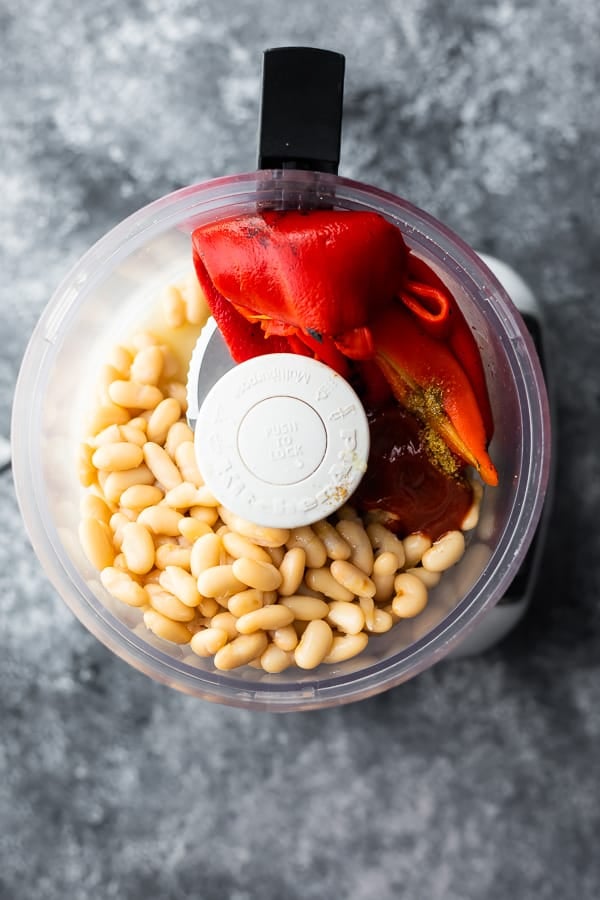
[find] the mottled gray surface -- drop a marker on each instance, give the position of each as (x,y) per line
(479,779)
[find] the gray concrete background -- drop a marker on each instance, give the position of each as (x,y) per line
(479,779)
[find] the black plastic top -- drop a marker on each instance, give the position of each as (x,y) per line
(301,109)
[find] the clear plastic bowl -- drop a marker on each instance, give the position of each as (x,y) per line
(107,293)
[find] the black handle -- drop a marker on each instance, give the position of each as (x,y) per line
(301,109)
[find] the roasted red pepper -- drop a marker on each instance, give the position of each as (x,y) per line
(343,287)
(427,379)
(318,274)
(438,313)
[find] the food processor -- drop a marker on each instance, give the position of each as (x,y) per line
(236,406)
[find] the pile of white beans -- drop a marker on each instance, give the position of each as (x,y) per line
(240,593)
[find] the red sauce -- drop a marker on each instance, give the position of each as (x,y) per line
(402,480)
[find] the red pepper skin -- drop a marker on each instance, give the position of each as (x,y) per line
(244,339)
(438,313)
(324,272)
(426,377)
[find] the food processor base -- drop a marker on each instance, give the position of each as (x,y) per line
(501,620)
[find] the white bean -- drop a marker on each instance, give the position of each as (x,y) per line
(106,376)
(85,470)
(314,644)
(117,523)
(181,583)
(173,307)
(94,507)
(183,496)
(165,415)
(472,516)
(314,548)
(122,586)
(104,415)
(387,563)
(415,546)
(117,482)
(367,604)
(132,395)
(161,465)
(185,457)
(118,456)
(260,534)
(384,540)
(259,575)
(147,366)
(346,646)
(285,638)
(206,514)
(245,602)
(227,622)
(292,571)
(196,306)
(209,641)
(139,423)
(382,622)
(336,546)
(170,554)
(165,628)
(275,660)
(161,520)
(132,434)
(107,436)
(219,581)
(206,553)
(140,496)
(208,607)
(306,609)
(179,433)
(411,596)
(138,548)
(445,552)
(191,529)
(355,535)
(322,580)
(167,604)
(268,618)
(241,650)
(384,570)
(347,617)
(96,539)
(238,546)
(352,578)
(177,390)
(205,497)
(120,359)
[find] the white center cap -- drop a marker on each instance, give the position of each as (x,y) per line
(282,440)
(294,444)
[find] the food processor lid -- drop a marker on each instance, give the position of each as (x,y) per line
(281,439)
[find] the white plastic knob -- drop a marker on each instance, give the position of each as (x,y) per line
(282,440)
